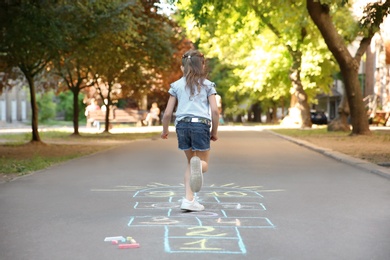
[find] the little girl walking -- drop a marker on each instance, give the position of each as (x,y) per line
(196,114)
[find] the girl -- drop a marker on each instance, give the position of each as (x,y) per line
(196,100)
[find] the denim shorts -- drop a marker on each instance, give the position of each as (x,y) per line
(195,136)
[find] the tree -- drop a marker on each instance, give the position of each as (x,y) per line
(117,47)
(71,62)
(29,37)
(157,51)
(87,25)
(133,50)
(320,12)
(280,27)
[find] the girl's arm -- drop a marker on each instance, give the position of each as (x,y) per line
(214,117)
(167,116)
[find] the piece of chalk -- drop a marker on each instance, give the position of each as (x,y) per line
(132,241)
(123,246)
(109,239)
(129,238)
(114,242)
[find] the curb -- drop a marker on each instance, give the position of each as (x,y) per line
(356,162)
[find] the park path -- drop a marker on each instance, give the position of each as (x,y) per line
(265,198)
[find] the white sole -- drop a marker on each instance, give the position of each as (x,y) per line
(196,177)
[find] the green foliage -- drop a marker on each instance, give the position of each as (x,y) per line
(345,22)
(256,42)
(46,106)
(374,14)
(30,35)
(65,105)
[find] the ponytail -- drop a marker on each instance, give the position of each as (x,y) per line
(194,70)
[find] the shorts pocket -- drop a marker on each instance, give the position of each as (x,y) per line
(201,138)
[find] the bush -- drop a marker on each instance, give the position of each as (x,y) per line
(46,106)
(65,106)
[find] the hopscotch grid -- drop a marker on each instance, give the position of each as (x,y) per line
(269,221)
(189,225)
(200,223)
(241,242)
(123,188)
(130,221)
(153,216)
(135,194)
(206,252)
(204,192)
(238,237)
(205,195)
(157,191)
(173,205)
(199,237)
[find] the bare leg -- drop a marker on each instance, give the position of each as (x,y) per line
(204,157)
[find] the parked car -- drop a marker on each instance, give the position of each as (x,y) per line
(318,118)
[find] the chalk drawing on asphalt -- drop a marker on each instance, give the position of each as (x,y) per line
(229,209)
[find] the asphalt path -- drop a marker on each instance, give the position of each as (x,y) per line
(265,198)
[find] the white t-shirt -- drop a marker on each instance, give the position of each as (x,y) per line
(196,105)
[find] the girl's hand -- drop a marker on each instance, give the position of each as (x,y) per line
(214,138)
(164,135)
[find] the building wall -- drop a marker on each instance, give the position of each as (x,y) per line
(14,104)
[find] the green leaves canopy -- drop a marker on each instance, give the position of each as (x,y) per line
(257,40)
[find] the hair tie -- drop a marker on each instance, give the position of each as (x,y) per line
(189,57)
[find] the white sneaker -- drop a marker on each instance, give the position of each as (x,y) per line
(196,177)
(191,205)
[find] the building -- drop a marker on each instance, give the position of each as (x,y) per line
(14,103)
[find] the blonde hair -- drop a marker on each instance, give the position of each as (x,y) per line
(194,70)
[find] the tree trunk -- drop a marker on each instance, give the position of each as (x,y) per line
(349,66)
(274,113)
(107,102)
(254,114)
(359,120)
(76,110)
(299,96)
(34,109)
(300,109)
(341,122)
(269,118)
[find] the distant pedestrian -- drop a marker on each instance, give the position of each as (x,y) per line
(153,116)
(196,113)
(92,107)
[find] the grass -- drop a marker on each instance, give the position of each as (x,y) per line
(22,166)
(384,135)
(66,136)
(373,148)
(18,156)
(311,133)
